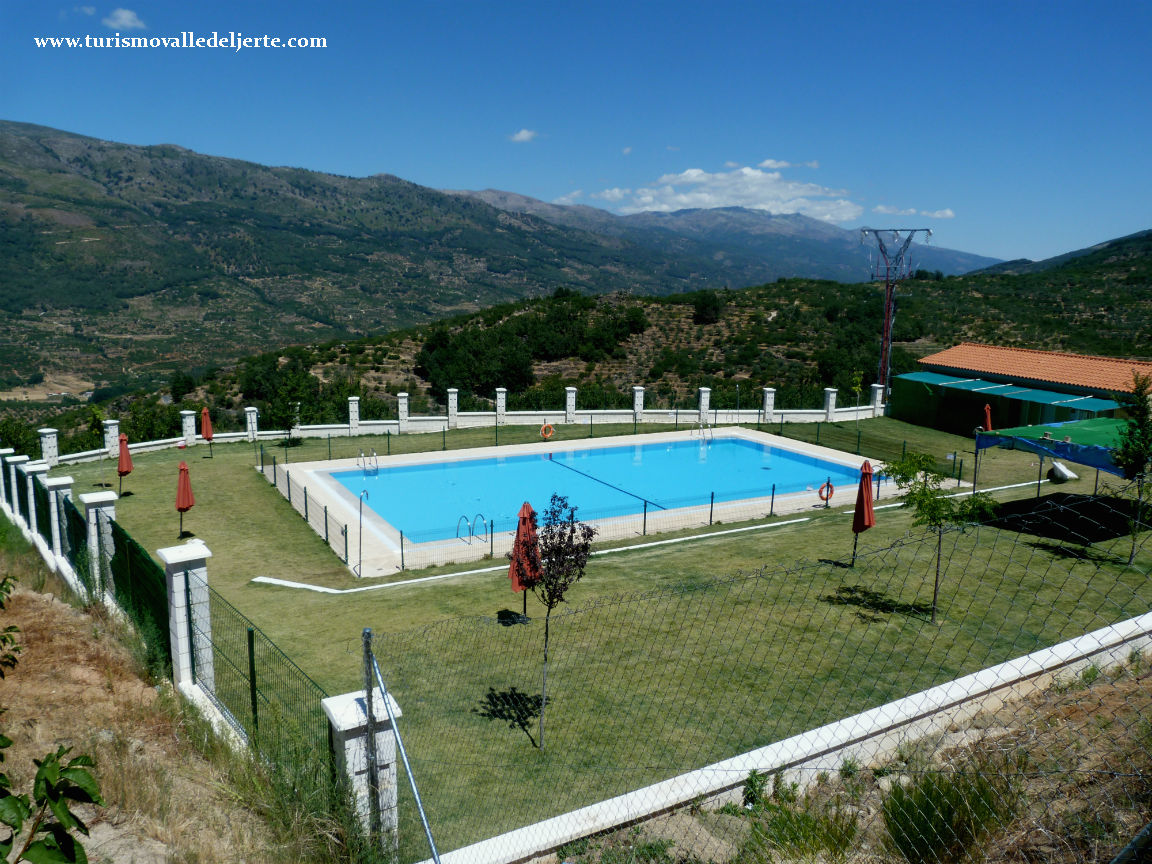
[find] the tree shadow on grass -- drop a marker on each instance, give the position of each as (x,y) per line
(514,707)
(1068,517)
(871,602)
(1076,553)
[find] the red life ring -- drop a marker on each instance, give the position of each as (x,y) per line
(547,431)
(826,491)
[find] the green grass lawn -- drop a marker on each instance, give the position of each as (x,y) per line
(737,642)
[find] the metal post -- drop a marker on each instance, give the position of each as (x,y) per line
(373,768)
(261,458)
(772,503)
(711,506)
(781,425)
(960,473)
(344,531)
(252,677)
(191,630)
(444,438)
(401,550)
(329,448)
(288,480)
(407,764)
(326,523)
(275,478)
(677,426)
(590,425)
(1039,475)
(828,500)
(305,503)
(388,436)
(644,530)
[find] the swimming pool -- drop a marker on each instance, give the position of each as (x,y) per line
(431,501)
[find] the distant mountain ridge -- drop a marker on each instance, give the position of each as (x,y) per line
(121,262)
(765,245)
(1137,245)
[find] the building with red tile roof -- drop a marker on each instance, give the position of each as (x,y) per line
(1073,373)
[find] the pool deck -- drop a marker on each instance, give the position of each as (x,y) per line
(381,549)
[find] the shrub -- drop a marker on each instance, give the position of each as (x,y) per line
(942,816)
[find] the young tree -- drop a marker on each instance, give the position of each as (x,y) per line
(1135,449)
(916,474)
(565,544)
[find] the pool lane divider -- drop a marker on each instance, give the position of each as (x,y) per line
(319,589)
(596,479)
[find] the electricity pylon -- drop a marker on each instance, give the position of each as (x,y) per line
(891,267)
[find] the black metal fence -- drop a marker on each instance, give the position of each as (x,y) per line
(267,695)
(139,588)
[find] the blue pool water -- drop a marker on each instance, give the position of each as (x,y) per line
(426,502)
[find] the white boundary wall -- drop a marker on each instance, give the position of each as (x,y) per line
(766,414)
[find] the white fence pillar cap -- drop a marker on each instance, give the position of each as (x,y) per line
(194,550)
(89,499)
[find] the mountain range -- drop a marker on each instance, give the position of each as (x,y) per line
(120,262)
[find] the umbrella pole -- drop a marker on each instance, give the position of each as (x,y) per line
(121,490)
(525,594)
(855,540)
(181,534)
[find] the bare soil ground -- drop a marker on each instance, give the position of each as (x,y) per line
(76,685)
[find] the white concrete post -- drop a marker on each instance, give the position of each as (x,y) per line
(402,410)
(112,438)
(501,405)
(353,415)
(188,427)
(58,488)
(637,403)
(453,407)
(5,455)
(569,404)
(32,471)
(186,577)
(877,400)
(830,404)
(348,720)
(705,400)
(49,447)
(100,546)
(769,407)
(251,422)
(14,487)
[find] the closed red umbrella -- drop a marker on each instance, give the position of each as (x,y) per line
(864,517)
(206,427)
(184,498)
(524,566)
(124,466)
(987,418)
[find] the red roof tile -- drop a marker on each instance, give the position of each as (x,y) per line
(1056,367)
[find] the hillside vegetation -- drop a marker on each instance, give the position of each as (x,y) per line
(796,335)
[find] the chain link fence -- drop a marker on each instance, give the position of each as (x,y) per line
(811,712)
(315,513)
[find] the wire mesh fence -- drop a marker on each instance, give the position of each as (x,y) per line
(315,513)
(43,513)
(275,703)
(74,537)
(139,589)
(813,712)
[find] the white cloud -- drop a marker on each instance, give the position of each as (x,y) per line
(85,10)
(893,211)
(523,135)
(570,198)
(616,194)
(671,149)
(124,19)
(946,213)
(626,150)
(777,164)
(739,187)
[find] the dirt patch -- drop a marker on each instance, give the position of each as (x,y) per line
(75,685)
(54,386)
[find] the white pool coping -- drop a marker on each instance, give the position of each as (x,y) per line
(380,555)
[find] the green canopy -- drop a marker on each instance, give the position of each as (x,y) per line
(1085,442)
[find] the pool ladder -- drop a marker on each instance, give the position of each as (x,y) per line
(471,526)
(706,429)
(370,464)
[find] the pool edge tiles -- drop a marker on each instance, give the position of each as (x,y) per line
(385,550)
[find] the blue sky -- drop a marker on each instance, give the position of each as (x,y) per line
(1012,129)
